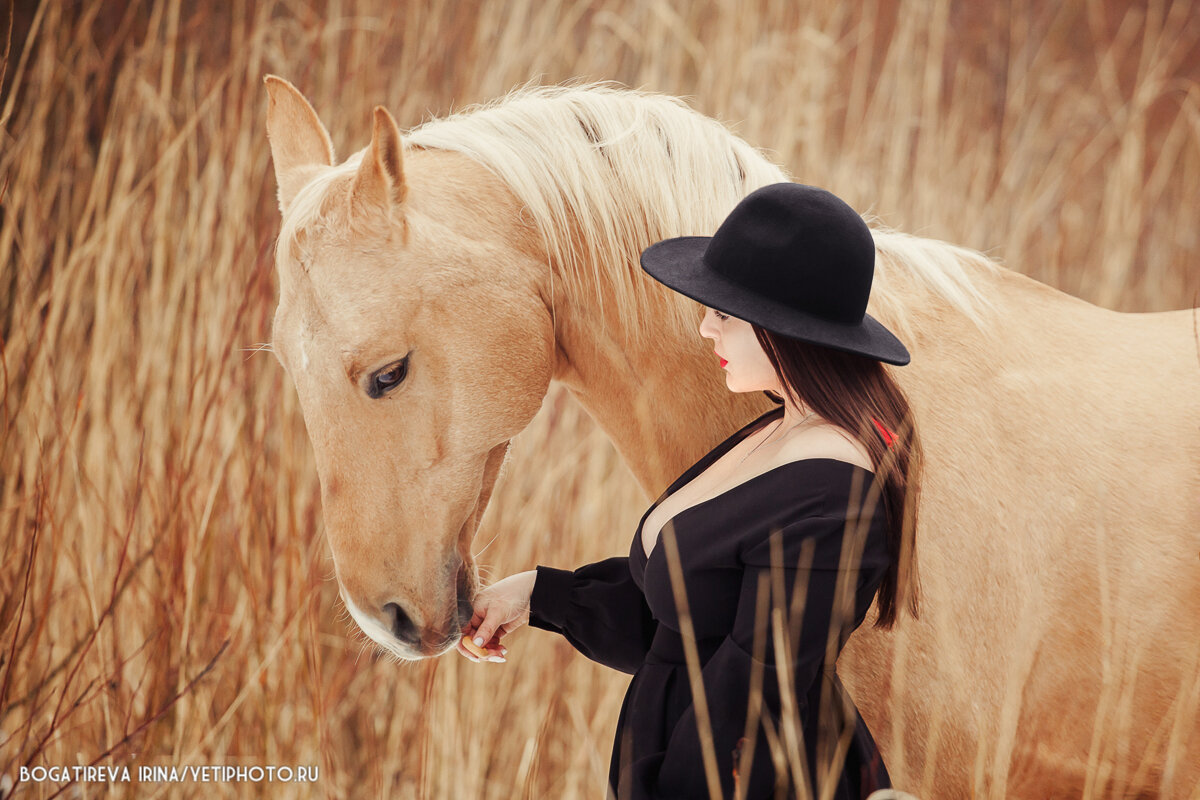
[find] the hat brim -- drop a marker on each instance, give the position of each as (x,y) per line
(679,264)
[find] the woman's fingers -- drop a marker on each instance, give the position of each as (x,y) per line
(481,639)
(485,631)
(493,652)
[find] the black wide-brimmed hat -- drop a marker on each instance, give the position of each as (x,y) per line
(790,258)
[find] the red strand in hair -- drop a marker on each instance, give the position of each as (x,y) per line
(888,436)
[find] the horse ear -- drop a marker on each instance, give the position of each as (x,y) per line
(379,183)
(299,142)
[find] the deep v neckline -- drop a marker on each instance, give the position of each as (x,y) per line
(696,469)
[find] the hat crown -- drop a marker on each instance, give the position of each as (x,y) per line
(801,246)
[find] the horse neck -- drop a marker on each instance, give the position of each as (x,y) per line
(659,395)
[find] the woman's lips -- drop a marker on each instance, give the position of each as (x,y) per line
(723,362)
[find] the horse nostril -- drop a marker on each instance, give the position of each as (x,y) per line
(403,628)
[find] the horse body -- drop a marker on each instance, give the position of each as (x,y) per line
(1059,648)
(1064,479)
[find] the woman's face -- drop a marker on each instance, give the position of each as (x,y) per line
(747,368)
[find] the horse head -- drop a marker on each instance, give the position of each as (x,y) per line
(411,352)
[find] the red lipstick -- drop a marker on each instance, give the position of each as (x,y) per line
(723,362)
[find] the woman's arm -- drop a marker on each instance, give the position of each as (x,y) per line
(597,608)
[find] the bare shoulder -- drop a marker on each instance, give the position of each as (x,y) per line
(824,440)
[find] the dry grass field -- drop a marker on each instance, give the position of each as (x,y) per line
(166,593)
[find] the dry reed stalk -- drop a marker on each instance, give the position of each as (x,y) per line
(691,653)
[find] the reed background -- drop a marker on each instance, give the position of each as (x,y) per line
(166,594)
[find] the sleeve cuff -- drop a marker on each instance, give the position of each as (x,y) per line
(548,602)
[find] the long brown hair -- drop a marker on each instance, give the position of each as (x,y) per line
(852,392)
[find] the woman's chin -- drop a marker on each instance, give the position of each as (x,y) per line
(741,387)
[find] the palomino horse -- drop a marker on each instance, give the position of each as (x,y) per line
(432,285)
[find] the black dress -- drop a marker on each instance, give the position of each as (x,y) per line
(621,613)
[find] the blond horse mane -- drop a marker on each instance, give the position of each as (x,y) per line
(603,172)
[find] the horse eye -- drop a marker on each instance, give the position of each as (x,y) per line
(388,378)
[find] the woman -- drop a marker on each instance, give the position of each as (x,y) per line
(820,491)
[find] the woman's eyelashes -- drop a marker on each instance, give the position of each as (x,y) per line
(719,315)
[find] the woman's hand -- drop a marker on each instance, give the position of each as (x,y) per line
(499,609)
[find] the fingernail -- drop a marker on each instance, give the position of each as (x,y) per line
(503,651)
(479,641)
(497,659)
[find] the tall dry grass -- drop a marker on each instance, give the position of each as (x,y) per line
(166,596)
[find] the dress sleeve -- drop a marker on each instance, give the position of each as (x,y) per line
(679,770)
(598,608)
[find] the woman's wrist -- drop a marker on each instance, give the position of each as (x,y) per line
(530,580)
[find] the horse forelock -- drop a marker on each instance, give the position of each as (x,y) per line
(602,172)
(308,214)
